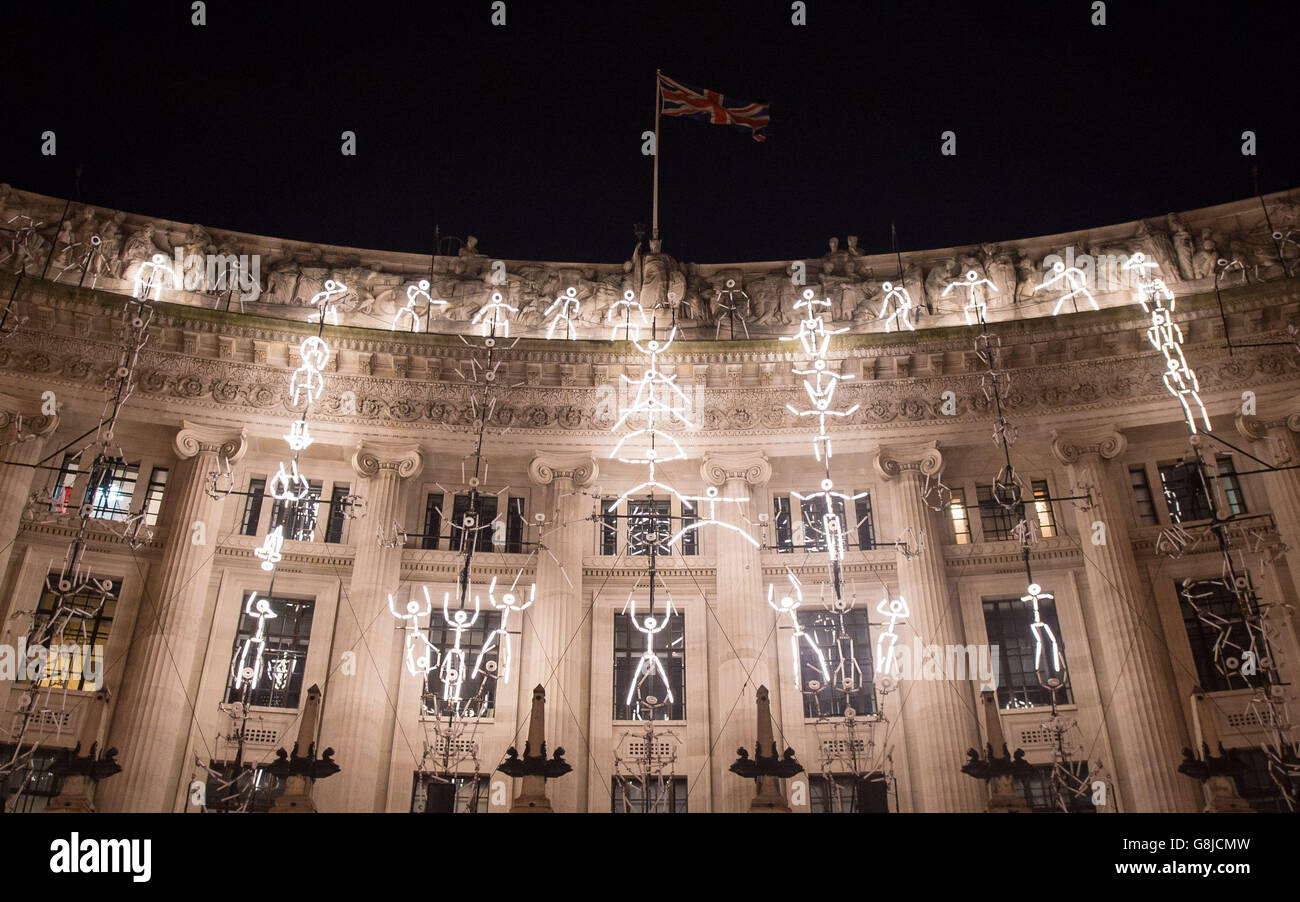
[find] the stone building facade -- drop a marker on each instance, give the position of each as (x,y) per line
(397,434)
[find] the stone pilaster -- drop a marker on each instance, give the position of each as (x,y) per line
(152,719)
(359,717)
(937,715)
(23,432)
(1277,442)
(1132,664)
(554,654)
(741,626)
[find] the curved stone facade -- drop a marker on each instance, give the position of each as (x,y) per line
(398,424)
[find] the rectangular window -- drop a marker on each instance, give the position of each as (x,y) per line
(1007,621)
(658,795)
(996,521)
(813,513)
(515,525)
(476,694)
(1044,513)
(432,521)
(282,651)
(1186,493)
(1256,784)
(153,496)
(866,526)
(61,494)
(1216,602)
(482,530)
(1230,484)
(609,526)
(649,523)
(454,794)
(111,488)
(252,507)
(844,662)
(82,620)
(29,787)
(334,527)
(960,519)
(298,517)
(1146,509)
(781,517)
(639,689)
(691,539)
(241,788)
(846,793)
(1042,796)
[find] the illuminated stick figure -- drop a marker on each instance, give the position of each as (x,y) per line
(900,299)
(974,302)
(244,671)
(308,381)
(416,294)
(323,301)
(897,611)
(1041,629)
(298,436)
(649,664)
(290,486)
(453,659)
(629,305)
(494,307)
(789,605)
(270,552)
(569,308)
(500,637)
(1073,278)
(147,277)
(709,519)
(421,655)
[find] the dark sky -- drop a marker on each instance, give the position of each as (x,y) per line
(528,136)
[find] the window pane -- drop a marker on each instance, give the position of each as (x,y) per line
(960,519)
(844,660)
(1146,510)
(432,521)
(639,679)
(472,683)
(253,507)
(1007,621)
(74,627)
(1218,604)
(275,648)
(153,496)
(648,795)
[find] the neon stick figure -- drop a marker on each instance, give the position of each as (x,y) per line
(324,302)
(569,307)
(244,672)
(974,302)
(1073,277)
(897,611)
(421,655)
(292,486)
(901,301)
(1040,629)
(789,605)
(629,304)
(453,661)
(271,548)
(495,306)
(500,637)
(146,277)
(649,664)
(414,295)
(307,379)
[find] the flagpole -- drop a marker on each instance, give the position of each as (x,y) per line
(654,212)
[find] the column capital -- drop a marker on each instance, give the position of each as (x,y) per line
(193,438)
(1105,441)
(373,455)
(719,469)
(25,417)
(891,460)
(545,468)
(1257,427)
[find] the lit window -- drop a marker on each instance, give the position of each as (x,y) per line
(298,517)
(477,693)
(658,795)
(960,519)
(61,494)
(840,649)
(1043,511)
(153,496)
(111,487)
(87,618)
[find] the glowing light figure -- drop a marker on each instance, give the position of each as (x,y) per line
(500,639)
(814,338)
(146,278)
(788,605)
(1041,629)
(900,300)
(569,310)
(323,301)
(896,611)
(712,498)
(298,436)
(308,381)
(422,657)
(630,307)
(1070,277)
(649,664)
(415,295)
(290,486)
(496,304)
(974,303)
(247,666)
(454,659)
(270,552)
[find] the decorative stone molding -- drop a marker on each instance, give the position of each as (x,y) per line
(891,460)
(1256,428)
(372,456)
(15,412)
(719,469)
(1106,441)
(220,440)
(546,468)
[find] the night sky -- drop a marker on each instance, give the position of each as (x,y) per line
(528,135)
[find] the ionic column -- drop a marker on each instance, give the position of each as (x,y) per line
(23,431)
(359,716)
(1277,441)
(152,719)
(1128,645)
(742,635)
(553,653)
(937,715)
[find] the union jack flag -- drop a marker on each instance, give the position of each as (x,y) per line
(719,109)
